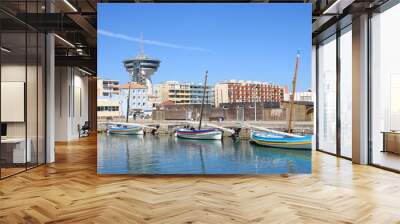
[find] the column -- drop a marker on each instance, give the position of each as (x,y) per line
(50,98)
(360,89)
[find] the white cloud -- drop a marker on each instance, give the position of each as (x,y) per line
(151,42)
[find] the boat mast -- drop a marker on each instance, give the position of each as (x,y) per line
(128,102)
(204,96)
(293,92)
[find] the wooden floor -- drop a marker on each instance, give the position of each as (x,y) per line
(5,172)
(387,159)
(70,191)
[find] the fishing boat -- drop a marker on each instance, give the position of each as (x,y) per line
(126,130)
(205,134)
(200,134)
(281,141)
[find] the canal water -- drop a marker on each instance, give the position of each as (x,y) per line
(170,155)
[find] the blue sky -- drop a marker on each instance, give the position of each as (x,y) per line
(231,41)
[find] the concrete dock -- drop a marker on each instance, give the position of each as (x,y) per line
(168,127)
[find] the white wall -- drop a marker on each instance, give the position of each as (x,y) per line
(80,108)
(14,72)
(33,125)
(71,102)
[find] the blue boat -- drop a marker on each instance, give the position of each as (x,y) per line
(281,141)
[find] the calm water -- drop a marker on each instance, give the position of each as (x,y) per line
(169,155)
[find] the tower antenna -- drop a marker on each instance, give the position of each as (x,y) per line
(141,45)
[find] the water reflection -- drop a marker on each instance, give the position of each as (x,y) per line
(170,155)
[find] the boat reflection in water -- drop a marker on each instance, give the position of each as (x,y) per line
(170,155)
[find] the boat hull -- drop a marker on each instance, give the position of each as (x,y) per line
(210,134)
(303,143)
(126,131)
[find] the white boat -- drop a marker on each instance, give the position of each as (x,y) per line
(200,134)
(126,130)
(203,134)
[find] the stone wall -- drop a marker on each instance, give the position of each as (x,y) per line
(302,112)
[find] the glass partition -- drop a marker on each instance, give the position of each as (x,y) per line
(327,95)
(385,89)
(13,94)
(346,92)
(31,97)
(22,94)
(41,97)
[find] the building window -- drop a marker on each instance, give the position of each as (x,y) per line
(327,95)
(345,92)
(385,88)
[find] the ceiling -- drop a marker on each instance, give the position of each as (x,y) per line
(75,22)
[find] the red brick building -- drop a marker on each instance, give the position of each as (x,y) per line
(247,91)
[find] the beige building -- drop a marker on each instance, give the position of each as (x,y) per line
(221,92)
(184,93)
(108,108)
(107,87)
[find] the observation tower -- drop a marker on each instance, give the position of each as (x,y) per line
(142,67)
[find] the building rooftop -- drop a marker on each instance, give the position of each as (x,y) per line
(132,86)
(246,82)
(167,102)
(109,80)
(184,83)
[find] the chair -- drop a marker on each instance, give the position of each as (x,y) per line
(84,130)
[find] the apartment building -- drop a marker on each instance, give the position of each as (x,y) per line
(107,87)
(184,92)
(233,91)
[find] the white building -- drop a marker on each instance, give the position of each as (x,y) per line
(139,99)
(307,96)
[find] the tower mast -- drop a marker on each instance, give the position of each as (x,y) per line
(141,45)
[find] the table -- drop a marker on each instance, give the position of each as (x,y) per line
(391,141)
(17,149)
